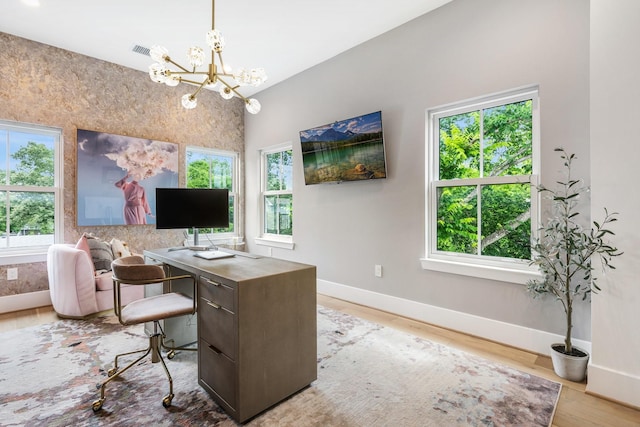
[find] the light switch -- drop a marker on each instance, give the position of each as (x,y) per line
(378,270)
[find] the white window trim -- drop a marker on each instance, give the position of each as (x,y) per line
(234,238)
(505,270)
(275,241)
(269,239)
(39,253)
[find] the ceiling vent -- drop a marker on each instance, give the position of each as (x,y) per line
(141,50)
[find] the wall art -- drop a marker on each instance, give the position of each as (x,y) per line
(117,176)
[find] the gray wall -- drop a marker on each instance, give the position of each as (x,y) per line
(615,89)
(465,49)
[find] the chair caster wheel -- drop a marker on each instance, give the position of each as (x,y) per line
(97,405)
(166,402)
(111,372)
(171,354)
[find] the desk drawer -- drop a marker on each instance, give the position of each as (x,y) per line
(216,325)
(217,371)
(217,292)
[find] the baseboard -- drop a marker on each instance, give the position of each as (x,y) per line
(506,333)
(25,301)
(620,387)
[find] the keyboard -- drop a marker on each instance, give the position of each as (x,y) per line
(212,254)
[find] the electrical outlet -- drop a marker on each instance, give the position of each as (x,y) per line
(378,270)
(12,274)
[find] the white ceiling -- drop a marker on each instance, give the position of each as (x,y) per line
(283,36)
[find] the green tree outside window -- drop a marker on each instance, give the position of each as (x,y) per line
(213,170)
(483,190)
(278,199)
(27,193)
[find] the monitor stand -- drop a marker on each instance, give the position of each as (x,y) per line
(196,246)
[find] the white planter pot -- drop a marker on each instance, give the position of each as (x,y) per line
(572,368)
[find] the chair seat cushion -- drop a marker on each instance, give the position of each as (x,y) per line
(156,308)
(104,281)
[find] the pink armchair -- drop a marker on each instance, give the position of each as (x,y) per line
(76,291)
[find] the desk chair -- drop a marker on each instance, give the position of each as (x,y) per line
(132,270)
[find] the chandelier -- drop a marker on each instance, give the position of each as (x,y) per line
(219,78)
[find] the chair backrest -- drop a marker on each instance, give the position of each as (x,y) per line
(132,270)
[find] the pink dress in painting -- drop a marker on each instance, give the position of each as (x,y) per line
(136,207)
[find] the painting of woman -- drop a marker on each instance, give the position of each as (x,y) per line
(136,206)
(117,177)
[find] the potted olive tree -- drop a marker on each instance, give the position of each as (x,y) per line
(563,252)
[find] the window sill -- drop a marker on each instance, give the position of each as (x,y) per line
(11,258)
(275,243)
(217,240)
(511,275)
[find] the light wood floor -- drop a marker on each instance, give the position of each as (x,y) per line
(575,407)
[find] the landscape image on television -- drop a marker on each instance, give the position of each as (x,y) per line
(348,150)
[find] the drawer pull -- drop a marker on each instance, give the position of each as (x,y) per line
(211,282)
(214,305)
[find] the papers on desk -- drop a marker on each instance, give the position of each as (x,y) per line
(213,254)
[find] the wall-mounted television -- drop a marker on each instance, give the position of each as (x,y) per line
(192,208)
(348,150)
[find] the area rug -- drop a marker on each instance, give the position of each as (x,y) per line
(368,375)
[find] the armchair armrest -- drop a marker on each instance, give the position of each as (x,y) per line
(71,281)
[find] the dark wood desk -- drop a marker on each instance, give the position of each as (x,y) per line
(257,332)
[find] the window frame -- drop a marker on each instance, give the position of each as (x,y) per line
(220,237)
(482,266)
(19,255)
(271,239)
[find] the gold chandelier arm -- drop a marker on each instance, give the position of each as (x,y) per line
(203,84)
(168,59)
(233,89)
(193,82)
(195,73)
(221,64)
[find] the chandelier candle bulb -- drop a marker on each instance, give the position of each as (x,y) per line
(159,73)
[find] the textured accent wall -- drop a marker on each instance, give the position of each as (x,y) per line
(45,85)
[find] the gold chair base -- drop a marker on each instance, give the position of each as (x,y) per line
(156,343)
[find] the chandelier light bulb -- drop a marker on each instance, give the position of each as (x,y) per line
(172,81)
(158,72)
(215,40)
(225,92)
(189,101)
(253,106)
(242,76)
(158,53)
(195,55)
(258,76)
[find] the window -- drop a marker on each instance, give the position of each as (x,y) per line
(482,171)
(208,168)
(277,193)
(30,189)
